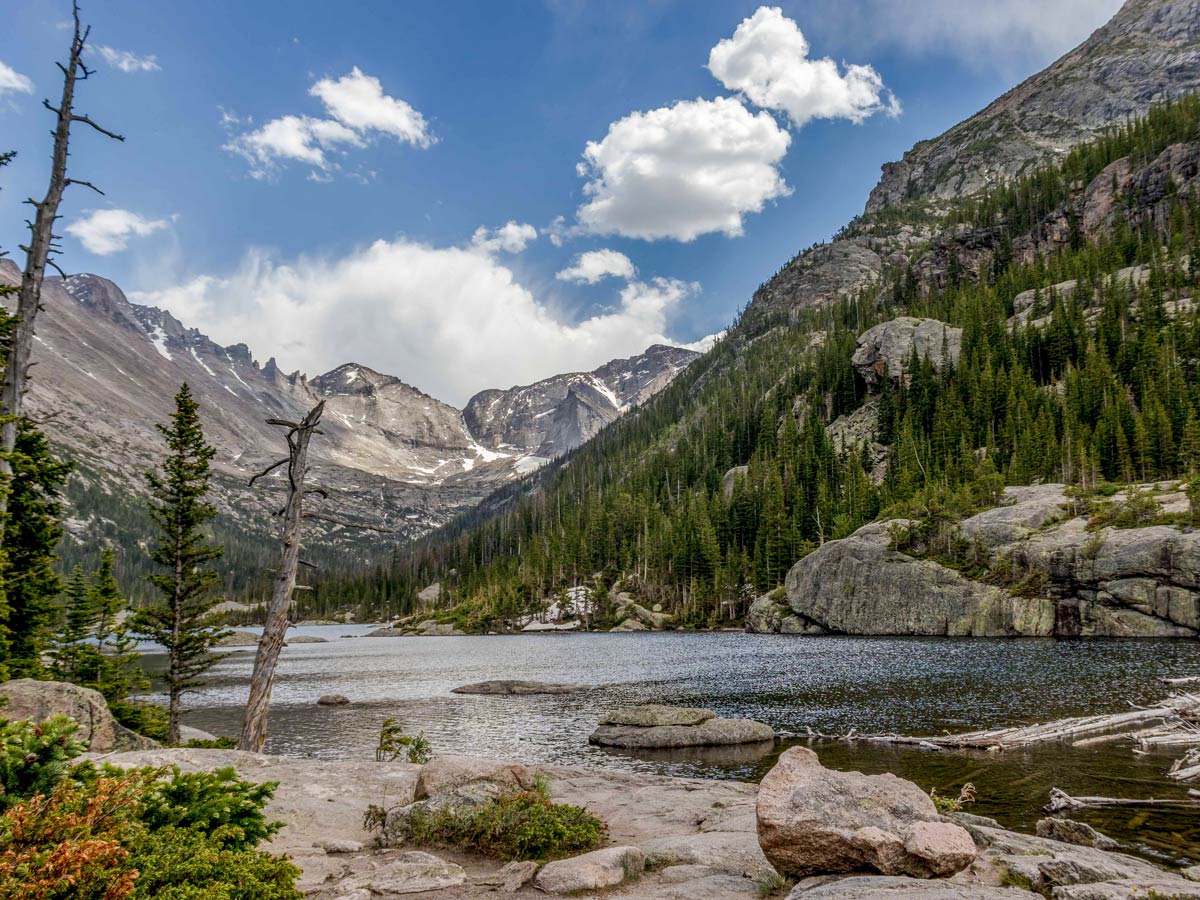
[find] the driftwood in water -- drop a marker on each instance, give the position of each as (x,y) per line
(1186,767)
(1061,801)
(1169,716)
(1187,679)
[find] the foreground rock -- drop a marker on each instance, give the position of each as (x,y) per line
(446,774)
(591,871)
(413,872)
(887,887)
(517,688)
(655,727)
(98,730)
(813,820)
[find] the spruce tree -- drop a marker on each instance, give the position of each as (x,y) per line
(32,530)
(181,620)
(73,656)
(119,673)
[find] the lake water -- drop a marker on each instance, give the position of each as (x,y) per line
(829,684)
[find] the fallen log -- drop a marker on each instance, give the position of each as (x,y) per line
(1061,800)
(1186,767)
(1187,679)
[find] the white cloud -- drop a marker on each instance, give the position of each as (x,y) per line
(451,320)
(126,61)
(767,61)
(511,237)
(682,171)
(12,81)
(359,112)
(590,267)
(105,231)
(1014,36)
(358,100)
(705,343)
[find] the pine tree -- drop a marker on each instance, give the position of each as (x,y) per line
(120,672)
(74,656)
(181,622)
(31,534)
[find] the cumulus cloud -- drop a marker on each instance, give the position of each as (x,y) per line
(767,61)
(682,171)
(358,101)
(451,320)
(359,111)
(105,231)
(126,61)
(12,81)
(592,266)
(511,237)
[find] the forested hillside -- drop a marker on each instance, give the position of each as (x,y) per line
(1094,380)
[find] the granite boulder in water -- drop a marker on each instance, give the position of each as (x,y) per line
(656,727)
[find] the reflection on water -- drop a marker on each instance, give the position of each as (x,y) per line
(831,684)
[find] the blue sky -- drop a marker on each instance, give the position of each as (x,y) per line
(311,177)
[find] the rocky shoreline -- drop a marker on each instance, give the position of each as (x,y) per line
(844,836)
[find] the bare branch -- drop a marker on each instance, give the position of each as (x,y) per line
(268,470)
(86,184)
(100,128)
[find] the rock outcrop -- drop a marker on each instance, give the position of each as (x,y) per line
(815,821)
(769,615)
(1067,578)
(888,347)
(98,730)
(1147,53)
(859,585)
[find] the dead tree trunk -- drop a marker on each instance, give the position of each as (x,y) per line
(254,723)
(38,252)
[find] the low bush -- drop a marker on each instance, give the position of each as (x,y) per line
(84,832)
(514,825)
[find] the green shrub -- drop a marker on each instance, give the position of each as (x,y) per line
(218,803)
(89,833)
(186,864)
(394,743)
(217,743)
(34,757)
(148,719)
(514,825)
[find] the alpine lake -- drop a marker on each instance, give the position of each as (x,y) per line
(831,685)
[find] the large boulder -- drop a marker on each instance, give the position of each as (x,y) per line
(768,615)
(728,852)
(710,733)
(813,821)
(888,346)
(40,700)
(591,871)
(447,774)
(1023,510)
(860,585)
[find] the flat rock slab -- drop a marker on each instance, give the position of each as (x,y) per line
(650,715)
(1165,888)
(591,871)
(517,688)
(409,873)
(887,887)
(711,733)
(728,852)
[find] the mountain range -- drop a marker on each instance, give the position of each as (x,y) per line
(392,457)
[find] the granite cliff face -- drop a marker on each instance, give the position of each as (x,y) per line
(1149,52)
(390,456)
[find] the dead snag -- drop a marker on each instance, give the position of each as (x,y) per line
(254,723)
(42,245)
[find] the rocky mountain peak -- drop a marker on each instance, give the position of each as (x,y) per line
(1149,52)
